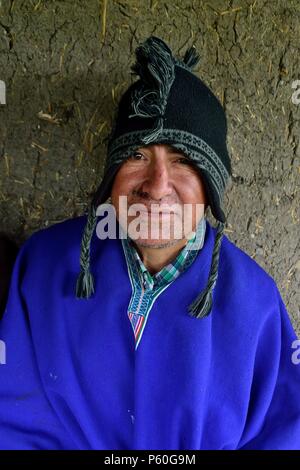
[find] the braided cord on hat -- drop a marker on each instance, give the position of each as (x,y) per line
(202,305)
(85,281)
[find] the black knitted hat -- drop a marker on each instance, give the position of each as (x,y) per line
(168,104)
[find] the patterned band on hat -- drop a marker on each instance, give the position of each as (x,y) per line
(198,150)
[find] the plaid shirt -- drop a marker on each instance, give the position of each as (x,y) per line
(146,287)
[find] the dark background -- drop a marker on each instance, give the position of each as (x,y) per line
(65,65)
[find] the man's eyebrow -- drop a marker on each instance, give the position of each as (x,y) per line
(173,149)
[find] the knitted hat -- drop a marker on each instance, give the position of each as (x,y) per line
(168,104)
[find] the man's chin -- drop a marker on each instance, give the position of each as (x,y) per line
(157,243)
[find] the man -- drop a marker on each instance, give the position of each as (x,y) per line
(170,342)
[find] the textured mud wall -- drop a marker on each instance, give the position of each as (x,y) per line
(65,64)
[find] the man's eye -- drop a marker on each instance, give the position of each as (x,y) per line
(136,155)
(183,160)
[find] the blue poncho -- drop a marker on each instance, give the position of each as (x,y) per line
(72,378)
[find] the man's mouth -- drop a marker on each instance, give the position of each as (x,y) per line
(155,210)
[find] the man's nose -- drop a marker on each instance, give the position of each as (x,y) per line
(157,181)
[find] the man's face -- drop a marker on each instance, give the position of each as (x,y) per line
(159,176)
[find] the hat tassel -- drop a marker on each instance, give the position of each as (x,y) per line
(156,67)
